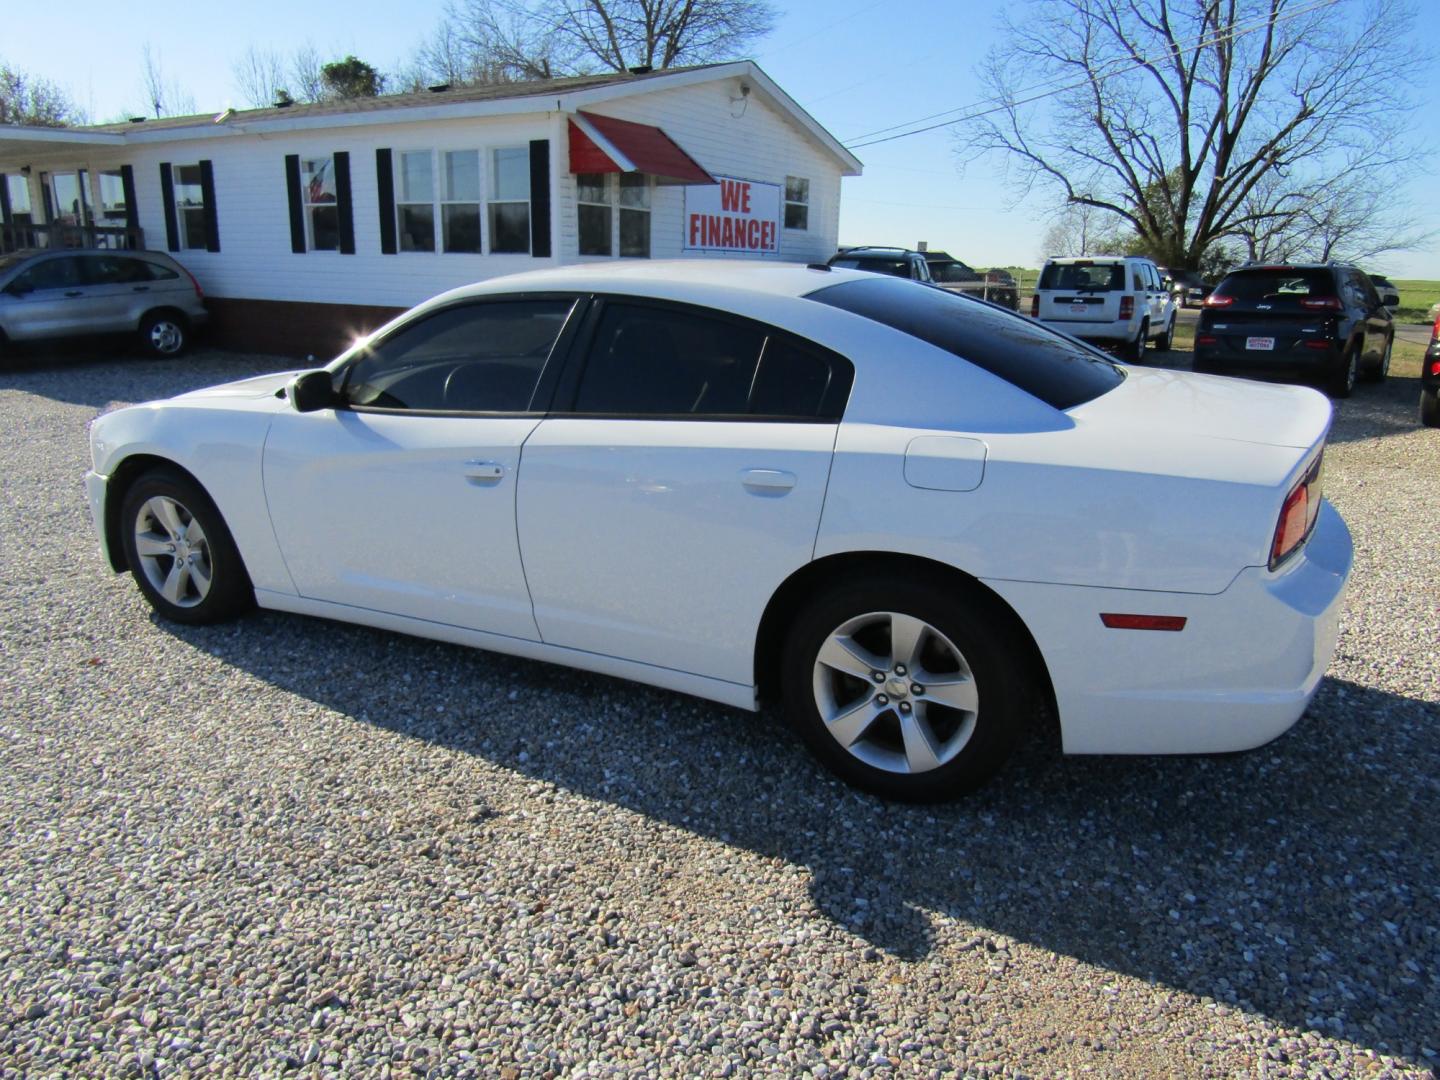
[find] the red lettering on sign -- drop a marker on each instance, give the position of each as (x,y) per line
(752,234)
(694,229)
(745,201)
(729,195)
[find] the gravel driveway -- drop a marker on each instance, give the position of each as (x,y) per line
(286,844)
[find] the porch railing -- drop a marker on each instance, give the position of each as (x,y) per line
(15,236)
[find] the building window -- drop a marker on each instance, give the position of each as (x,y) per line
(17,188)
(415,206)
(113,211)
(592,193)
(634,215)
(797,202)
(322,212)
(190,207)
(510,201)
(460,200)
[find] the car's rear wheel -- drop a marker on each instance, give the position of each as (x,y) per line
(180,551)
(905,689)
(1430,406)
(1342,382)
(1134,351)
(1382,369)
(164,333)
(1163,342)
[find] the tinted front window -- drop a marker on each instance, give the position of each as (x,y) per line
(51,274)
(469,358)
(952,272)
(1084,277)
(1281,288)
(1053,368)
(116,270)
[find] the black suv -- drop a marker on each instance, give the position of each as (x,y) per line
(1313,322)
(897,262)
(951,274)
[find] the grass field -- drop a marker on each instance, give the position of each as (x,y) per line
(1416,296)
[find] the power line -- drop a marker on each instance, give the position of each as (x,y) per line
(861,141)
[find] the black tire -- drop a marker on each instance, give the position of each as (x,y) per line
(1163,342)
(1430,406)
(1134,351)
(1378,373)
(1342,379)
(970,746)
(228,592)
(164,333)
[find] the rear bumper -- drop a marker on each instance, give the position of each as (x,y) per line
(1106,332)
(1239,674)
(1302,363)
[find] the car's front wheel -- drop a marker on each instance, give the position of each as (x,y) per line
(163,333)
(905,689)
(180,551)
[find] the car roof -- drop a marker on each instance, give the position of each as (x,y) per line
(1065,259)
(663,276)
(872,250)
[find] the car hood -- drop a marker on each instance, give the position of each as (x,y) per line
(1178,404)
(259,386)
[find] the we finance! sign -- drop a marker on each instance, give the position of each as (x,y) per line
(733,215)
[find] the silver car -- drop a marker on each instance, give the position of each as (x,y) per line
(50,294)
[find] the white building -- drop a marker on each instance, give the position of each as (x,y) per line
(306,224)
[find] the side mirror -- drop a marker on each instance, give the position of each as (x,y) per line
(311,391)
(1390,299)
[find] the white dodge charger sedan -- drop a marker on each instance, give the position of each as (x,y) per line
(917,519)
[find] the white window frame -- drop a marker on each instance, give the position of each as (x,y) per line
(181,218)
(648,187)
(789,202)
(493,188)
(617,208)
(608,204)
(438,201)
(398,167)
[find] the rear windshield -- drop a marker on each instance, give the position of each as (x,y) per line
(1084,277)
(1284,287)
(893,267)
(1056,369)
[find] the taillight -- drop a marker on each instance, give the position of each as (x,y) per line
(1435,367)
(199,293)
(1321,303)
(1218,301)
(1035,306)
(1317,344)
(1297,515)
(1127,306)
(1206,339)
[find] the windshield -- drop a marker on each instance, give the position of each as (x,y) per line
(893,267)
(1083,277)
(952,272)
(1054,368)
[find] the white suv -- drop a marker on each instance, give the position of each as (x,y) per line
(1107,299)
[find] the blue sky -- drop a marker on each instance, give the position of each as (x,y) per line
(857,65)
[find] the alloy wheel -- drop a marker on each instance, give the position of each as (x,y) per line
(173,551)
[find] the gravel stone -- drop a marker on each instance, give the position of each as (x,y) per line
(286,845)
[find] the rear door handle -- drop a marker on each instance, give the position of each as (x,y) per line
(484,472)
(141,288)
(767,481)
(75,292)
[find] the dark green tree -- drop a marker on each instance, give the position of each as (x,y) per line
(351,78)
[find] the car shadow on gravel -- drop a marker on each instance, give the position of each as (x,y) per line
(66,373)
(1300,880)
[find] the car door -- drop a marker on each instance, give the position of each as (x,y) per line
(48,299)
(680,483)
(402,499)
(117,288)
(1376,315)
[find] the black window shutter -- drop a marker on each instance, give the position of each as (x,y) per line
(297,208)
(45,198)
(343,205)
(385,188)
(4,199)
(212,217)
(540,198)
(132,210)
(167,194)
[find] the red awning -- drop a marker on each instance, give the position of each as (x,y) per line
(602,144)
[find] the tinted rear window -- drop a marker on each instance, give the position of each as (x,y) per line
(1283,287)
(893,267)
(1060,372)
(1084,277)
(954,272)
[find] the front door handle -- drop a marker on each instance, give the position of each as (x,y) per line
(484,472)
(767,481)
(75,292)
(141,288)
